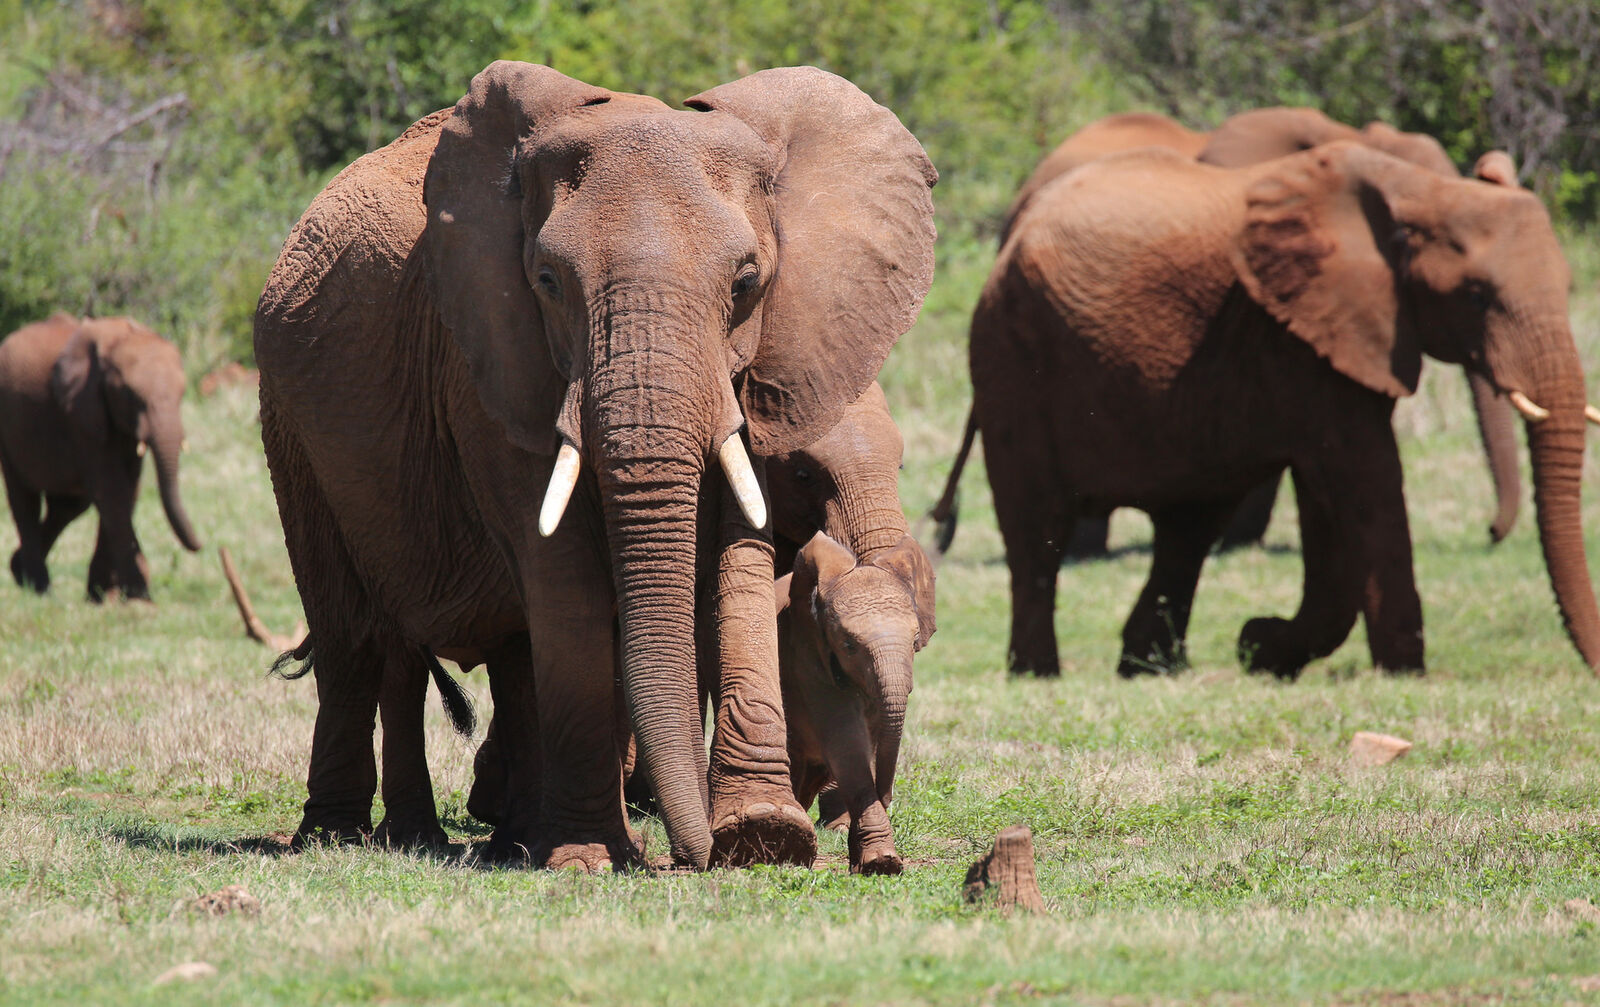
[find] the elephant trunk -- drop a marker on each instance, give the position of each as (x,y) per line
(645,426)
(1500,448)
(166,442)
(894,685)
(1556,444)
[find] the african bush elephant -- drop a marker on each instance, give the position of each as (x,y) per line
(1165,334)
(80,403)
(1243,140)
(554,292)
(847,631)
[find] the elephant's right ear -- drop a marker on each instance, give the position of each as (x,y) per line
(476,234)
(855,246)
(1322,250)
(76,384)
(1497,166)
(819,561)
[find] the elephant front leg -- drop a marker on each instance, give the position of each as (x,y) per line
(27,563)
(118,563)
(754,815)
(1390,605)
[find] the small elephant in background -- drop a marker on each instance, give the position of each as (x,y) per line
(847,632)
(81,400)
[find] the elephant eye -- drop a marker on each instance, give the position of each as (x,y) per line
(746,280)
(840,679)
(548,282)
(1482,297)
(802,474)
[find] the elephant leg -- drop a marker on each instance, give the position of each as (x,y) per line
(27,563)
(1089,537)
(1335,571)
(754,815)
(486,800)
(343,775)
(61,510)
(118,563)
(410,817)
(832,812)
(1249,522)
(1153,637)
(559,725)
(1390,605)
(1037,515)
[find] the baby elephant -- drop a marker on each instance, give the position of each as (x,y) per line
(847,631)
(80,402)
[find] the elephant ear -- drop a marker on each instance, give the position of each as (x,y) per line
(907,561)
(475,237)
(855,246)
(77,383)
(1265,133)
(780,592)
(1321,249)
(818,562)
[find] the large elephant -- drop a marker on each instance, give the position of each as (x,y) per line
(498,356)
(80,403)
(1243,140)
(1165,334)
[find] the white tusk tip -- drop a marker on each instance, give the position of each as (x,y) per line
(1591,414)
(746,488)
(140,449)
(1528,408)
(562,479)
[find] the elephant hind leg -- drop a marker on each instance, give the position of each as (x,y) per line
(61,510)
(1037,514)
(410,817)
(1251,518)
(27,563)
(1153,638)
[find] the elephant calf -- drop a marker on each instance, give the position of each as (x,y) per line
(80,402)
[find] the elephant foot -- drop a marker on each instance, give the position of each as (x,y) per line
(411,832)
(29,574)
(486,801)
(1273,645)
(763,833)
(872,843)
(307,836)
(1039,667)
(878,860)
(590,854)
(1129,666)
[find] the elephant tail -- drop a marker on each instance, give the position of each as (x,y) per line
(457,704)
(947,511)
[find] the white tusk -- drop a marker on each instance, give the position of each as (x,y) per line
(1591,414)
(140,449)
(1527,407)
(562,479)
(736,465)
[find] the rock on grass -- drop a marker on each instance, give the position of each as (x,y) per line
(1370,749)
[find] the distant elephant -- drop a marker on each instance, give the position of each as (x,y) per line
(80,402)
(558,293)
(1243,140)
(1165,334)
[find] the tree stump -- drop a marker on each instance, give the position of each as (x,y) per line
(1007,871)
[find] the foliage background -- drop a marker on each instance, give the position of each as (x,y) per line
(153,153)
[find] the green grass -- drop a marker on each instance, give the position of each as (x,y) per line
(1201,837)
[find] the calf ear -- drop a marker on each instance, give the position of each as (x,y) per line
(907,561)
(780,591)
(76,383)
(818,562)
(1496,166)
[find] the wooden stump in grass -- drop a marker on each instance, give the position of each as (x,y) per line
(1007,872)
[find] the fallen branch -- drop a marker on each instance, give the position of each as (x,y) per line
(253,626)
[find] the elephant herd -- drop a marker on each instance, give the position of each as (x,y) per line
(515,365)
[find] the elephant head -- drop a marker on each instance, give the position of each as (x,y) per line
(1373,262)
(631,285)
(120,385)
(855,628)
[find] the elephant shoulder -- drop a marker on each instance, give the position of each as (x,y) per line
(349,249)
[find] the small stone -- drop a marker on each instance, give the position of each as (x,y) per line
(232,899)
(186,972)
(1370,749)
(1008,869)
(1583,909)
(1135,841)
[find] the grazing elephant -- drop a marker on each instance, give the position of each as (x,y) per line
(1243,140)
(80,403)
(498,357)
(1165,334)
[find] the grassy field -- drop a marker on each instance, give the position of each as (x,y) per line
(1201,837)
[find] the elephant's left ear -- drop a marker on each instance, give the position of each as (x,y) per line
(1323,250)
(855,246)
(907,560)
(76,382)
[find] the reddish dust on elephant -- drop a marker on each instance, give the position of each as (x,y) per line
(513,367)
(1246,139)
(81,403)
(1165,334)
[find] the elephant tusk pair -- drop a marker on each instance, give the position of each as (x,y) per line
(1534,412)
(735,464)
